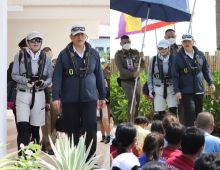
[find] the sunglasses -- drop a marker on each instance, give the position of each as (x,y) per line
(35,40)
(161,48)
(187,36)
(78,29)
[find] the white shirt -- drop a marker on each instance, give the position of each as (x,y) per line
(80,54)
(191,55)
(34,56)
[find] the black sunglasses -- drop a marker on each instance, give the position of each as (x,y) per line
(78,29)
(35,40)
(161,48)
(186,36)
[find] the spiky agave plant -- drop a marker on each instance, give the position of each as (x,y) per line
(7,162)
(70,157)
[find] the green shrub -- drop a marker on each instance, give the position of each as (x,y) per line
(212,103)
(119,102)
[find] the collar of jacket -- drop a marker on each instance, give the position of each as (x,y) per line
(182,51)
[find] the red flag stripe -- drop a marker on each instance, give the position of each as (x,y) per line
(156,25)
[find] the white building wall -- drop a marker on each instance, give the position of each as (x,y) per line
(3,73)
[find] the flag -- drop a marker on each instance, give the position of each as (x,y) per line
(131,25)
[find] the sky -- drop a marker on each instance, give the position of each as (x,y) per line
(203,30)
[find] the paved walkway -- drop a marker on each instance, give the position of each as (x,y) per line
(102,149)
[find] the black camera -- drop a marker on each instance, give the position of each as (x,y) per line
(34,78)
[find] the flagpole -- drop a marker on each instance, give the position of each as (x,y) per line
(155,31)
(190,23)
(139,64)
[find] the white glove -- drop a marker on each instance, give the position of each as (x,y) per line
(150,94)
(30,83)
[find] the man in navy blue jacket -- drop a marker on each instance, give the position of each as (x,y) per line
(189,70)
(78,84)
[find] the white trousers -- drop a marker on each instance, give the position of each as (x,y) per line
(160,104)
(36,115)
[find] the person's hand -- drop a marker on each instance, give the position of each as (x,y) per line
(39,83)
(102,104)
(56,105)
(136,74)
(178,96)
(212,87)
(30,83)
(151,94)
(141,54)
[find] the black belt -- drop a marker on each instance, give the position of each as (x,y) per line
(159,85)
(30,90)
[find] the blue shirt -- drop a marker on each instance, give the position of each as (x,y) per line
(143,159)
(212,144)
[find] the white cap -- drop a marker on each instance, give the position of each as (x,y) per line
(187,36)
(78,29)
(33,35)
(163,44)
(125,161)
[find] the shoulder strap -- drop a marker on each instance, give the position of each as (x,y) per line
(87,59)
(42,63)
(27,63)
(153,64)
(72,59)
(19,60)
(160,68)
(169,66)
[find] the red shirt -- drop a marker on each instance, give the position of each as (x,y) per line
(169,152)
(180,162)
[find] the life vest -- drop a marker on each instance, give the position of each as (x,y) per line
(75,70)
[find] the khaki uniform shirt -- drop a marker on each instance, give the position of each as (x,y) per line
(127,63)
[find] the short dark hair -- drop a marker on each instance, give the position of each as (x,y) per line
(124,37)
(141,120)
(157,126)
(46,49)
(192,140)
(154,165)
(174,133)
(209,161)
(125,136)
(152,144)
(170,30)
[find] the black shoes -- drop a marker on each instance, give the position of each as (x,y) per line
(107,139)
(103,138)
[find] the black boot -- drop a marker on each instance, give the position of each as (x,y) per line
(107,139)
(103,138)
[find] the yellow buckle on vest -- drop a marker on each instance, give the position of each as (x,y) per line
(185,70)
(156,75)
(71,72)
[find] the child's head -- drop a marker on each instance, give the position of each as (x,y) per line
(141,121)
(125,136)
(209,161)
(192,142)
(153,145)
(174,132)
(157,126)
(168,119)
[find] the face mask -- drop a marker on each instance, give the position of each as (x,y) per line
(172,41)
(126,46)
